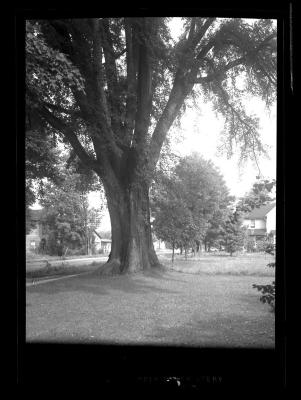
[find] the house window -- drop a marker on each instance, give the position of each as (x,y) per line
(252,223)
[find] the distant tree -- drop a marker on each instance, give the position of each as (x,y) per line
(205,192)
(233,234)
(184,202)
(67,218)
(41,161)
(169,211)
(213,234)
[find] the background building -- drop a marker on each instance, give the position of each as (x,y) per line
(261,223)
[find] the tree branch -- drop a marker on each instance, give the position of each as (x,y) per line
(221,72)
(72,138)
(236,113)
(175,102)
(111,76)
(118,55)
(144,92)
(182,86)
(131,80)
(101,101)
(203,29)
(60,109)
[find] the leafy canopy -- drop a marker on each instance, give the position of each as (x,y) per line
(112,87)
(184,203)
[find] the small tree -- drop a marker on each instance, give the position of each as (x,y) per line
(213,234)
(172,218)
(166,229)
(233,234)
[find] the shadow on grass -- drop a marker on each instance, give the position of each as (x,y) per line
(230,331)
(90,283)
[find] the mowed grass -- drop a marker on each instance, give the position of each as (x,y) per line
(203,309)
(253,264)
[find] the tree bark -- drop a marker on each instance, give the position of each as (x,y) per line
(132,246)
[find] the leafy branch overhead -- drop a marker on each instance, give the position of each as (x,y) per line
(116,85)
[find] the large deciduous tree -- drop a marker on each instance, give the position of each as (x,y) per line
(113,87)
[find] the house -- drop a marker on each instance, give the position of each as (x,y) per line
(35,236)
(158,244)
(101,245)
(261,222)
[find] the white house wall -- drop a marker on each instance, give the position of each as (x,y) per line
(259,224)
(159,245)
(271,220)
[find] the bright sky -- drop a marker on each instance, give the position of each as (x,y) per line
(201,133)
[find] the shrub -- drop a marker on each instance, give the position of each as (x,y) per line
(250,245)
(268,294)
(81,251)
(268,291)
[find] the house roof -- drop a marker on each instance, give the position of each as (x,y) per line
(35,215)
(98,234)
(260,212)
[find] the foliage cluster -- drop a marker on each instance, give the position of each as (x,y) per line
(190,205)
(268,291)
(68,221)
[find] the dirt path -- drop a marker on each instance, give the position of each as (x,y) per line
(37,264)
(159,308)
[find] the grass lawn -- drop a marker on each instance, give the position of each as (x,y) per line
(254,264)
(199,308)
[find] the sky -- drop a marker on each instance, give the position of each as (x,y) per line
(200,133)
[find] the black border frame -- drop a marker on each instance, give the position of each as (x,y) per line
(126,365)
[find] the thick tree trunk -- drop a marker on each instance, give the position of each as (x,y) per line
(132,247)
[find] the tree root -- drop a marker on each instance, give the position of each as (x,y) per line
(114,267)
